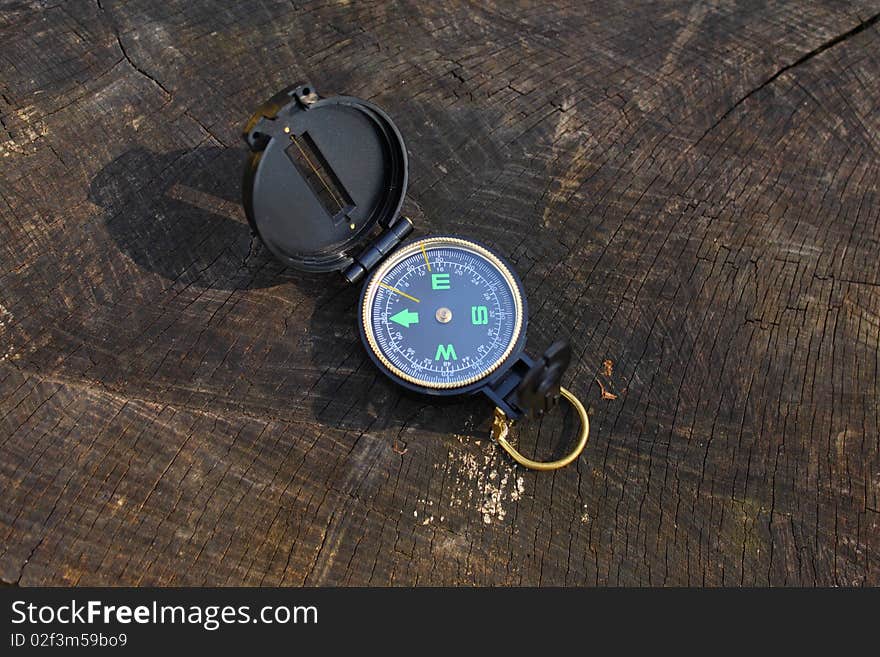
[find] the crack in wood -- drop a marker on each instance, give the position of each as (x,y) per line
(830,43)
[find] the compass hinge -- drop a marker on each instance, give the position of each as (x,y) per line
(378,249)
(531,387)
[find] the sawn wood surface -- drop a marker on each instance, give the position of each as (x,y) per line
(688,190)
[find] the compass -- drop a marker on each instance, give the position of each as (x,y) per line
(440,316)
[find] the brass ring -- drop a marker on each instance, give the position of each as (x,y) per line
(500,428)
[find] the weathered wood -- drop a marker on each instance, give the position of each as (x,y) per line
(689,192)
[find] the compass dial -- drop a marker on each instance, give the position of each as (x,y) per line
(442,312)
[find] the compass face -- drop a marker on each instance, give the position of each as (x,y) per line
(442,312)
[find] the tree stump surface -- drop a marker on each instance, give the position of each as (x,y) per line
(689,192)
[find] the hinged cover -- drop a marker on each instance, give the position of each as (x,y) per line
(323,174)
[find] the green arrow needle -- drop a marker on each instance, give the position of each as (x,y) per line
(405,317)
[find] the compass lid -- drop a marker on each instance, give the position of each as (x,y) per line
(323,174)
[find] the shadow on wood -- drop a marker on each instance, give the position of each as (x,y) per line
(179,215)
(186,224)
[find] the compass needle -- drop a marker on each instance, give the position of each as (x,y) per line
(400,292)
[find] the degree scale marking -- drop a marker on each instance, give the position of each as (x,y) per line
(500,312)
(476,273)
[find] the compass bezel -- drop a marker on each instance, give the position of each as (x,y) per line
(472,383)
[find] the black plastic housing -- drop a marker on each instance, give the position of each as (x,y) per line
(325,175)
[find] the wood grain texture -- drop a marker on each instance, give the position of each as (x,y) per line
(688,190)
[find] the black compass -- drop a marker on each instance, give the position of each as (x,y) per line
(443,315)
